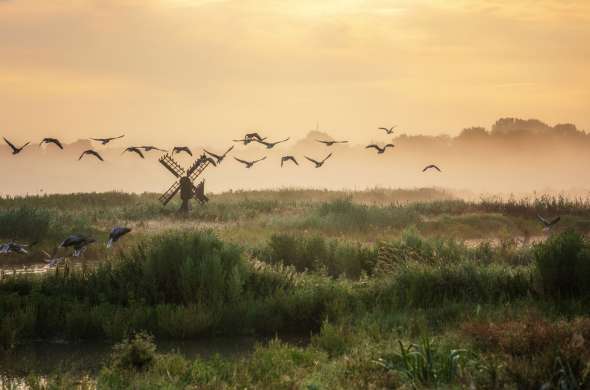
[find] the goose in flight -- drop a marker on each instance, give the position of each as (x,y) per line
(388,130)
(380,150)
(254,136)
(90,152)
(330,143)
(105,141)
(218,157)
(134,149)
(13,247)
(288,158)
(247,140)
(249,164)
(15,150)
(51,141)
(78,242)
(270,145)
(319,163)
(51,259)
(116,234)
(548,224)
(431,166)
(149,148)
(179,149)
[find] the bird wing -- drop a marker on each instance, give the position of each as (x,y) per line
(121,136)
(242,161)
(229,150)
(10,144)
(312,160)
(341,142)
(212,154)
(327,157)
(437,168)
(373,146)
(324,142)
(260,159)
(56,141)
(95,153)
(136,150)
(389,146)
(25,145)
(384,128)
(554,221)
(284,140)
(100,139)
(543,220)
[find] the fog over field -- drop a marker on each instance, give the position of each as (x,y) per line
(513,156)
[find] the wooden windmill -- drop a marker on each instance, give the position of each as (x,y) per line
(185,183)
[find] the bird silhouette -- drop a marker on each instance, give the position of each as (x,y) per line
(330,143)
(219,158)
(380,150)
(13,247)
(270,145)
(179,149)
(105,141)
(288,158)
(134,149)
(431,166)
(51,141)
(78,242)
(15,150)
(254,136)
(388,130)
(116,234)
(319,163)
(249,164)
(247,140)
(548,224)
(149,148)
(90,152)
(51,259)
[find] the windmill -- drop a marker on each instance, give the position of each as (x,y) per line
(185,183)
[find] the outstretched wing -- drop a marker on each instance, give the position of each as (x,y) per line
(312,160)
(260,159)
(543,220)
(95,153)
(373,146)
(212,154)
(229,150)
(327,157)
(242,161)
(10,144)
(554,221)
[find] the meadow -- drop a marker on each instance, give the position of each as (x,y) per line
(389,288)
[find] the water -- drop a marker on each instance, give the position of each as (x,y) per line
(44,358)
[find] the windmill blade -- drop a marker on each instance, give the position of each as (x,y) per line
(199,192)
(168,162)
(169,194)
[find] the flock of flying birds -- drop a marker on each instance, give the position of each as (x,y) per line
(248,138)
(79,243)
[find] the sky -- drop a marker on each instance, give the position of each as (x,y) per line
(205,71)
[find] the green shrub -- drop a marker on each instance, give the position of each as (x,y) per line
(135,353)
(563,264)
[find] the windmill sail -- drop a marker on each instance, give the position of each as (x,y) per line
(168,195)
(199,192)
(197,168)
(171,165)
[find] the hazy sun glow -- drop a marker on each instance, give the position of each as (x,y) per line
(217,67)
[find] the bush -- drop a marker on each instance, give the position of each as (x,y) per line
(135,353)
(563,264)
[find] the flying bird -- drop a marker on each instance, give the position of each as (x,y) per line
(116,234)
(15,150)
(179,149)
(330,143)
(219,158)
(319,163)
(78,242)
(247,140)
(105,141)
(254,136)
(388,131)
(548,223)
(249,164)
(134,149)
(270,145)
(149,148)
(51,259)
(380,150)
(431,166)
(288,158)
(91,152)
(51,141)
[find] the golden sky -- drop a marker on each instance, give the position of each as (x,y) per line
(203,71)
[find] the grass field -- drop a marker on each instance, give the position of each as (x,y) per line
(414,289)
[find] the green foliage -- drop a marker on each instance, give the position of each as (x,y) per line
(135,353)
(427,364)
(563,264)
